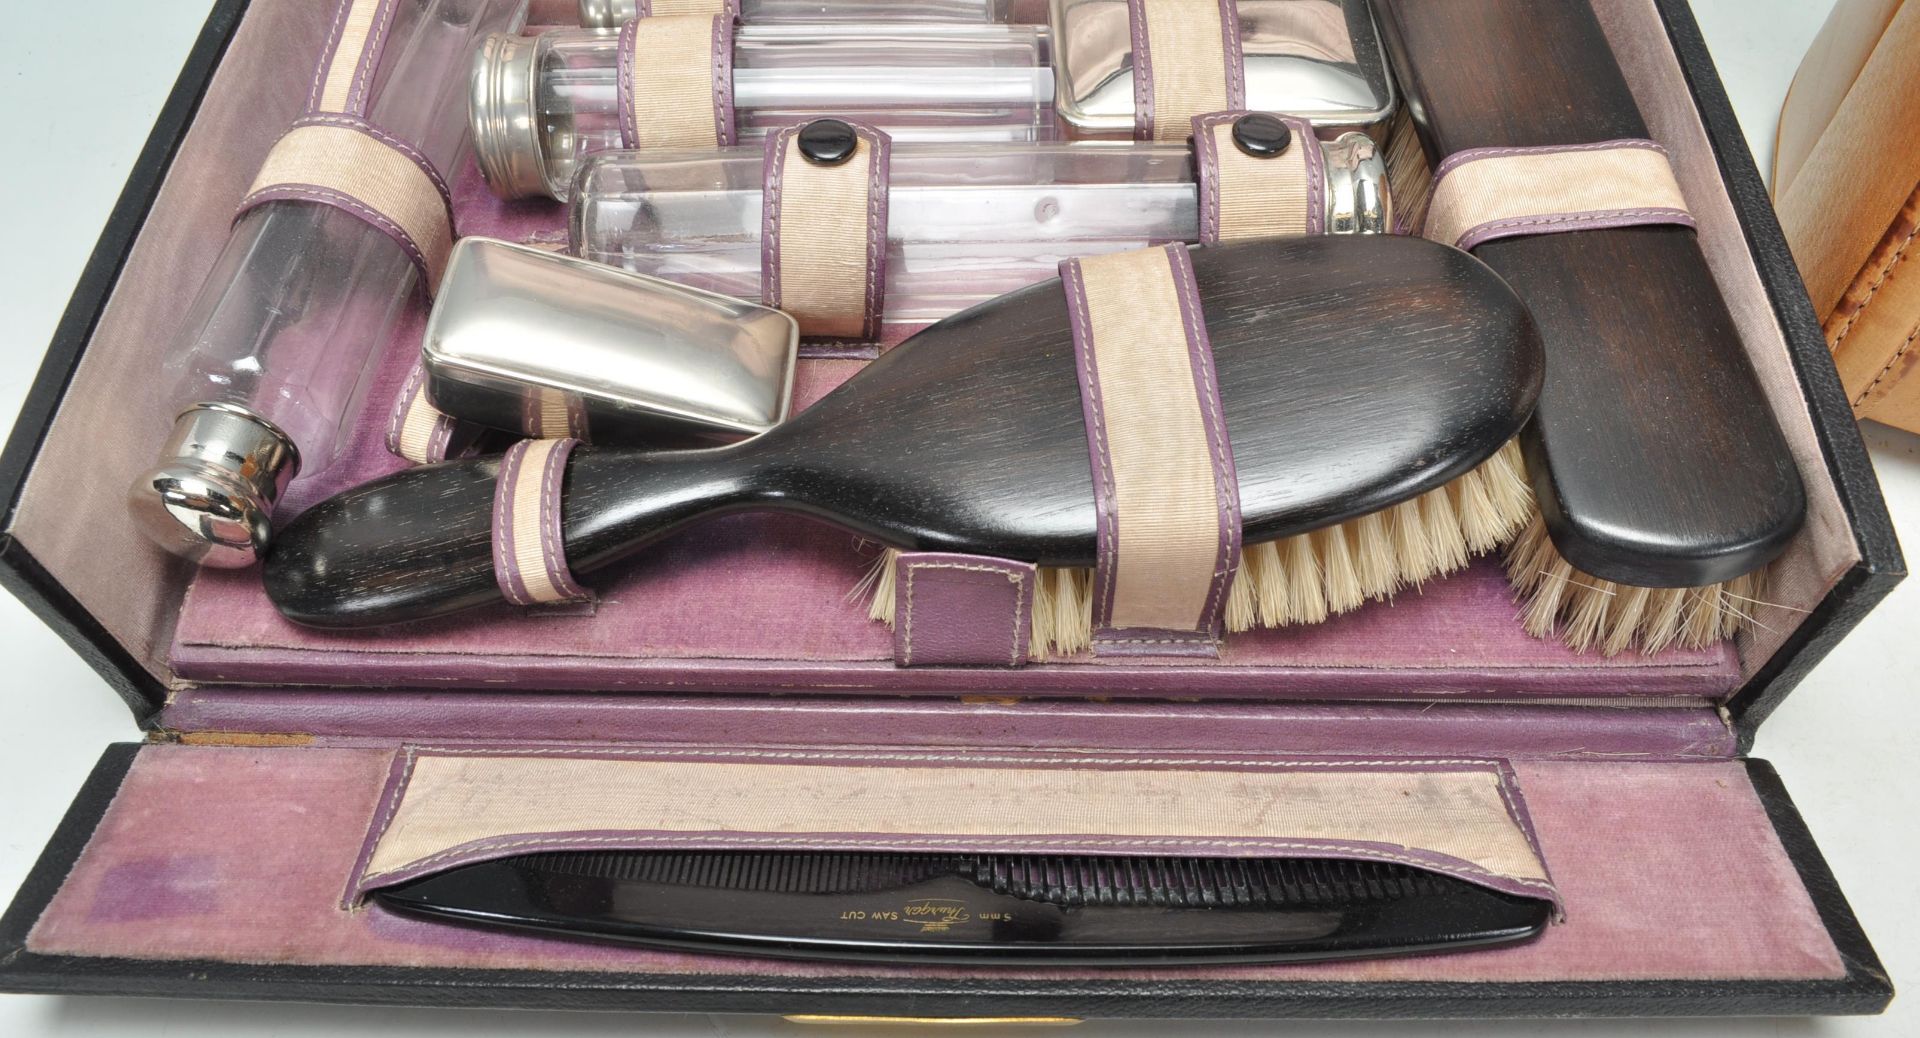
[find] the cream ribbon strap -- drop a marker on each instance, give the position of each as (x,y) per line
(1186,60)
(1165,490)
(675,81)
(1483,194)
(666,8)
(823,235)
(529,547)
(345,163)
(1243,197)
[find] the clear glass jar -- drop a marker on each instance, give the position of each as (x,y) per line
(274,353)
(542,103)
(965,223)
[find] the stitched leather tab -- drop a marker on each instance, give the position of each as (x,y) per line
(675,81)
(1483,194)
(959,610)
(1243,197)
(529,548)
(1164,482)
(823,236)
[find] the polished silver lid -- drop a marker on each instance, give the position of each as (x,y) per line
(211,498)
(607,14)
(546,344)
(1358,201)
(1320,60)
(505,116)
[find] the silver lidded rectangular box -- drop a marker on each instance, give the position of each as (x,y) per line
(544,344)
(1320,60)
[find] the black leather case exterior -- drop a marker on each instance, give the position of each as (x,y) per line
(1865,988)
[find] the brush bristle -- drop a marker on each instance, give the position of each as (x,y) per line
(1307,578)
(1594,615)
(1409,177)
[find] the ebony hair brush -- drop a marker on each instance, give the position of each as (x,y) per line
(1664,484)
(983,909)
(1355,374)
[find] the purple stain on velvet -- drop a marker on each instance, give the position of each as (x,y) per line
(172,887)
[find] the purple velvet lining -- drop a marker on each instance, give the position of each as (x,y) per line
(1142,70)
(773,180)
(505,845)
(1445,728)
(1669,871)
(1203,638)
(958,610)
(755,604)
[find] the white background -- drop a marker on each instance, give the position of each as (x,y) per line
(79,90)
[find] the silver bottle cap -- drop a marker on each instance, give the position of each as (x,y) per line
(505,115)
(607,14)
(211,498)
(1357,198)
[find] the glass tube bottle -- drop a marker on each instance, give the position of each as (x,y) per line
(539,104)
(274,353)
(965,223)
(611,14)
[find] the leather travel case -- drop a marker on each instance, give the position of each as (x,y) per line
(726,694)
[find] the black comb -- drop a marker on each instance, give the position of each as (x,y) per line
(981,908)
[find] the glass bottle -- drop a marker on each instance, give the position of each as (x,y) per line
(275,352)
(542,103)
(611,14)
(965,223)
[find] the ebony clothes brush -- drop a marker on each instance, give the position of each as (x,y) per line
(981,909)
(1354,372)
(1654,455)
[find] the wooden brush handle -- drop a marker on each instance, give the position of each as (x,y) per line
(1653,452)
(1353,373)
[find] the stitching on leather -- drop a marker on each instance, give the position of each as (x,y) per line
(1891,361)
(1228,503)
(335,197)
(357,885)
(1018,577)
(1573,220)
(1886,272)
(877,177)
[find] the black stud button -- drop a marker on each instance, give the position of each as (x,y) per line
(829,142)
(1261,135)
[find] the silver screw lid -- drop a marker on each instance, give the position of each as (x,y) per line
(1358,201)
(505,116)
(607,14)
(211,498)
